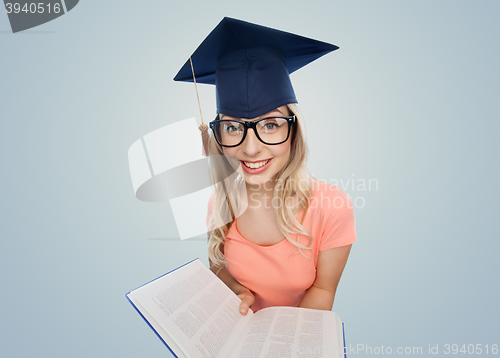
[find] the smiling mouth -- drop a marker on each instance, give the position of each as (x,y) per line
(255,165)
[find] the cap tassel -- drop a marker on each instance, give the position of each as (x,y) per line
(204,138)
(203,127)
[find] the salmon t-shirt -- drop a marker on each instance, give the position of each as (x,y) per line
(279,275)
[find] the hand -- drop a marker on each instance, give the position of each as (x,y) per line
(245,295)
(247,300)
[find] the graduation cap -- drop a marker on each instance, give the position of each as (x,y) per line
(250,65)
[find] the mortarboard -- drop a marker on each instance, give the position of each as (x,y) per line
(250,65)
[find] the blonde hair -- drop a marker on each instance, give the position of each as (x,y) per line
(290,181)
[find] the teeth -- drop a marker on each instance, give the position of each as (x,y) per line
(256,165)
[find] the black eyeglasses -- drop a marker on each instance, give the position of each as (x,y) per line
(269,130)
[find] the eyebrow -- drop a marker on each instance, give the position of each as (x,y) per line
(268,114)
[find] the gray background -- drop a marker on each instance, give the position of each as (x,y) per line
(410,99)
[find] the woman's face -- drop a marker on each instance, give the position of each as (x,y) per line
(267,160)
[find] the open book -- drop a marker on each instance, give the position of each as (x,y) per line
(196,315)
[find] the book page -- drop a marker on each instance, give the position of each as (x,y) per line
(197,310)
(291,332)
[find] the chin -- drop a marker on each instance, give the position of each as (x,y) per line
(259,179)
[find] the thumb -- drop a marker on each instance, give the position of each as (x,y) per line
(247,300)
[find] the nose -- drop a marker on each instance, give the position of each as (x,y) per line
(251,145)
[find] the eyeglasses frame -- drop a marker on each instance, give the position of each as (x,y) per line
(251,124)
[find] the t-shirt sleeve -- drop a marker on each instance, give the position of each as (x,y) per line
(339,226)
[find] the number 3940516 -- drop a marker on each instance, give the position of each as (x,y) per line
(471,349)
(32,8)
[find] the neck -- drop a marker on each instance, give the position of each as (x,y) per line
(260,195)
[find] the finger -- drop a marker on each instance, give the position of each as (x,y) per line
(244,308)
(247,298)
(247,301)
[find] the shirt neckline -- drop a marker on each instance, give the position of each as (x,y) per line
(267,247)
(263,247)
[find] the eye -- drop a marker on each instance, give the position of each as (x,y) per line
(232,127)
(270,125)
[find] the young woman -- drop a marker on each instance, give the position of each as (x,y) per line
(269,255)
(284,240)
